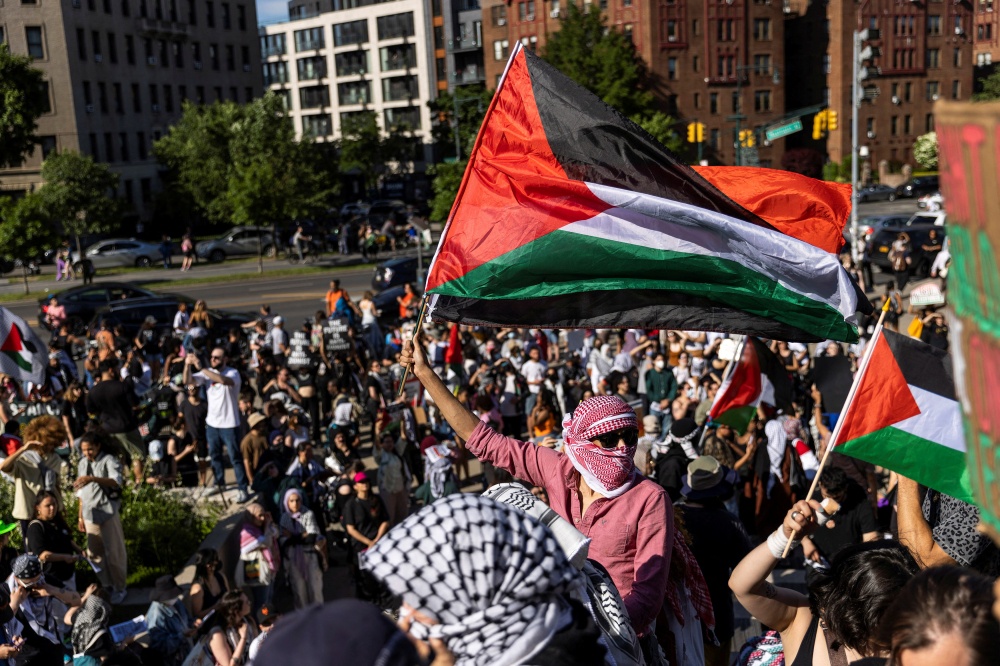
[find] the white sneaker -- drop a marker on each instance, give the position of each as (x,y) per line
(242,497)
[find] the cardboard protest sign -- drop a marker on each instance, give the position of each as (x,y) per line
(337,335)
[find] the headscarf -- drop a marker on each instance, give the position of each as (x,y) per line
(494,578)
(90,623)
(300,522)
(608,471)
(683,433)
(437,468)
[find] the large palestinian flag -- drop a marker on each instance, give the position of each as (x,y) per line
(905,416)
(23,355)
(569,215)
(757,377)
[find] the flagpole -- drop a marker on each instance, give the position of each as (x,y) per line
(738,353)
(847,403)
(414,339)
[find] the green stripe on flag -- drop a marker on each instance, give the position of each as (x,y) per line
(737,417)
(562,263)
(935,466)
(22,363)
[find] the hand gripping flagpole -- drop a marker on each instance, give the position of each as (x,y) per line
(847,404)
(414,339)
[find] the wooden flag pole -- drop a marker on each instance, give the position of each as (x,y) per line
(414,337)
(847,403)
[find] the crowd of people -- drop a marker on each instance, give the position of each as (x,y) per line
(617,521)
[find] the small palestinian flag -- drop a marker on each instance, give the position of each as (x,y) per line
(758,377)
(22,353)
(905,415)
(571,216)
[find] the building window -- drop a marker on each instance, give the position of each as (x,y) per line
(210,14)
(907,125)
(46,97)
(126,10)
(94,146)
(182,94)
(316,125)
(762,29)
(405,119)
(218,93)
(109,147)
(314,97)
(933,58)
(119,100)
(695,63)
(311,69)
(309,40)
(112,48)
(929,122)
(136,99)
(245,57)
(88,96)
(762,63)
(272,45)
(713,103)
(956,58)
(102,96)
(248,95)
(146,189)
(696,27)
(672,69)
(168,98)
(199,94)
(498,15)
(908,91)
(227,19)
(351,63)
(36,47)
(697,100)
(933,25)
(241,17)
(441,69)
(395,26)
(894,125)
(526,10)
(275,72)
(154,98)
(402,56)
(870,127)
(130,49)
(230,58)
(164,53)
(956,89)
(355,32)
(627,30)
(735,101)
(713,139)
(725,29)
(213,55)
(933,90)
(399,88)
(123,146)
(501,49)
(530,42)
(81,44)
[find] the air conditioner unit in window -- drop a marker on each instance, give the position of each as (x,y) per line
(197,64)
(529,17)
(959,31)
(156,108)
(90,108)
(246,68)
(871,135)
(76,4)
(98,57)
(935,97)
(895,100)
(151,60)
(502,21)
(671,38)
(554,13)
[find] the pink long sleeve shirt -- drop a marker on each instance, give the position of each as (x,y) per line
(631,535)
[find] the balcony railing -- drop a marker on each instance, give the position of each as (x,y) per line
(469,44)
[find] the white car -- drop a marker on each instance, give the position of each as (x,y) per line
(936,217)
(931,202)
(115,252)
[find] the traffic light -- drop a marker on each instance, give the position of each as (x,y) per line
(831,120)
(819,125)
(747,138)
(696,132)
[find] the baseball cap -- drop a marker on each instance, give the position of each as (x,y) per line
(279,320)
(360,477)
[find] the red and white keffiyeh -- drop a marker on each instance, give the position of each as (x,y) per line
(608,471)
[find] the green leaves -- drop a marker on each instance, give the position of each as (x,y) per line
(925,150)
(77,193)
(22,101)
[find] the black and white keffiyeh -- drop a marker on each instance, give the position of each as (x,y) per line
(494,578)
(90,623)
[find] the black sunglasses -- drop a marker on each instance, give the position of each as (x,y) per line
(609,440)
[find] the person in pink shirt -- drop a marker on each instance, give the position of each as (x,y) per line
(593,484)
(55,313)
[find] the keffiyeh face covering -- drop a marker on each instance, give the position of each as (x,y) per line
(607,471)
(493,577)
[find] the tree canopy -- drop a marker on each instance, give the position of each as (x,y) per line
(241,164)
(925,150)
(471,103)
(991,88)
(78,194)
(22,101)
(26,230)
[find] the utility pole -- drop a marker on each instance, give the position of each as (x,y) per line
(855,104)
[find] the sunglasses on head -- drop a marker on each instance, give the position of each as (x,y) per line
(609,440)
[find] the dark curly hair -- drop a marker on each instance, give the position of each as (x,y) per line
(853,597)
(942,601)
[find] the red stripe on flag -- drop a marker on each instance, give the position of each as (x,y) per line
(514,190)
(882,399)
(744,385)
(810,210)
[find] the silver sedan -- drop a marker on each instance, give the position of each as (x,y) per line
(115,252)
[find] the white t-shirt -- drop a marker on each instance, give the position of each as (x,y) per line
(181,321)
(534,371)
(223,401)
(278,338)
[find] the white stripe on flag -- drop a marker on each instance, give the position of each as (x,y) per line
(939,420)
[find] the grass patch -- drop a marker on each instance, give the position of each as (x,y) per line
(281,272)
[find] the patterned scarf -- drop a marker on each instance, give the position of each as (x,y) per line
(90,623)
(494,578)
(607,471)
(694,581)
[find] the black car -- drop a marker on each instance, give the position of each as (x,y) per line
(918,186)
(386,303)
(872,224)
(131,314)
(876,192)
(880,244)
(395,272)
(81,302)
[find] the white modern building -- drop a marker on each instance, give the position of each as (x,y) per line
(364,57)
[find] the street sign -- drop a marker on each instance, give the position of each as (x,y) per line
(783,130)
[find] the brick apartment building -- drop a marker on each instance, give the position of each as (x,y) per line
(986,35)
(117,72)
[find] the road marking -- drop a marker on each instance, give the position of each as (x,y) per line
(272,298)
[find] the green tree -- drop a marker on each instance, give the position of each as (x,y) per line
(78,194)
(447,179)
(471,104)
(242,163)
(663,128)
(22,101)
(361,146)
(602,60)
(26,230)
(991,88)
(925,150)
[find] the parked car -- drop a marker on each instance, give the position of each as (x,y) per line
(349,210)
(918,186)
(872,224)
(130,314)
(935,217)
(82,302)
(384,209)
(877,192)
(386,303)
(931,201)
(237,242)
(116,252)
(881,243)
(395,272)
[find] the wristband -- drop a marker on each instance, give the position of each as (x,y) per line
(777,541)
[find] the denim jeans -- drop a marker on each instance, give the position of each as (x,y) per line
(216,438)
